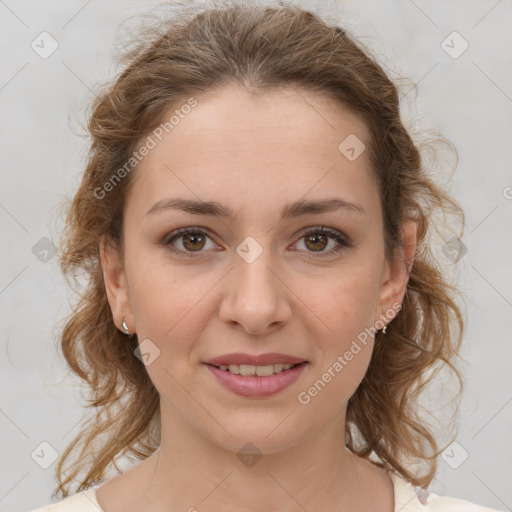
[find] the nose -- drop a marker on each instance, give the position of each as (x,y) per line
(255,296)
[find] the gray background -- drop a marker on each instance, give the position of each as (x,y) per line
(468,99)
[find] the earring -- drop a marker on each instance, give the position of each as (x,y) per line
(125,327)
(384,329)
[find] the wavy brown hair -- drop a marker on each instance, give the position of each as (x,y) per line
(261,48)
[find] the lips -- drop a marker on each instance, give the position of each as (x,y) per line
(257,386)
(254,360)
(258,375)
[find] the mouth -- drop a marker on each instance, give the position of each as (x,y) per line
(248,370)
(257,381)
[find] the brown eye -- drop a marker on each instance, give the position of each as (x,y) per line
(316,242)
(193,242)
(187,242)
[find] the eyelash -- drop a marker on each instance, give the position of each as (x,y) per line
(334,234)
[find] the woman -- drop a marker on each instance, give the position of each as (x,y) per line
(262,311)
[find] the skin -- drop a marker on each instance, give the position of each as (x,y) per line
(254,155)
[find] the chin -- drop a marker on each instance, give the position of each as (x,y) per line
(265,434)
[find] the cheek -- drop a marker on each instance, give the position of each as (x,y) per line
(169,314)
(344,353)
(172,305)
(159,296)
(347,307)
(348,302)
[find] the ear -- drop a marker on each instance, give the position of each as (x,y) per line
(395,274)
(116,285)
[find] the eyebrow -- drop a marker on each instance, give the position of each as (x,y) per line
(213,208)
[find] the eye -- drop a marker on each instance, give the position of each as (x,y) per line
(193,240)
(317,239)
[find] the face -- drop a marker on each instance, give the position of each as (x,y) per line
(306,285)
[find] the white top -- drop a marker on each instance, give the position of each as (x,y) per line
(406,500)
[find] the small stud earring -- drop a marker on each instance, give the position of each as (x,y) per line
(125,327)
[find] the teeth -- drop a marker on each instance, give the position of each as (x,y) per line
(234,368)
(248,370)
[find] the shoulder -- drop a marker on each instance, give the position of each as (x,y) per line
(84,501)
(411,499)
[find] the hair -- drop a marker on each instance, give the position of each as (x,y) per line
(262,49)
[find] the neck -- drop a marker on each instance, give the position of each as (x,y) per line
(191,472)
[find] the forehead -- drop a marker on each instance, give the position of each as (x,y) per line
(246,151)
